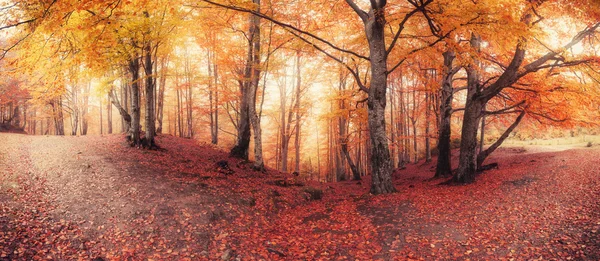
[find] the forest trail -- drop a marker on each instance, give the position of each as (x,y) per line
(67,198)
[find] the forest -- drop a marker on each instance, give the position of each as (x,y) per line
(299,130)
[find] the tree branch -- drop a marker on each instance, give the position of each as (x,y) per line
(484,154)
(505,110)
(362,14)
(282,24)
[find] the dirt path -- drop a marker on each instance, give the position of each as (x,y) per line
(110,200)
(69,198)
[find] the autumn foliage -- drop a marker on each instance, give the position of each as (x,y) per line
(338,129)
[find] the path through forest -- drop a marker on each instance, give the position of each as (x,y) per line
(95,197)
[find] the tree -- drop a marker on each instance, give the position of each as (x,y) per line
(480,91)
(374,24)
(249,88)
(444,168)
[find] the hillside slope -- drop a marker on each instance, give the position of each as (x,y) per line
(95,197)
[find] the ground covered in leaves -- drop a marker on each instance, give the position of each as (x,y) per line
(69,198)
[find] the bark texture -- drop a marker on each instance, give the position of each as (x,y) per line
(134,70)
(380,156)
(444,168)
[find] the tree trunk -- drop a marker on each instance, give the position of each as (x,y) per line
(161,95)
(415,144)
(134,69)
(444,168)
(59,127)
(74,108)
(402,123)
(33,125)
(282,130)
(393,120)
(343,131)
(298,116)
(380,158)
(124,126)
(25,123)
(189,99)
(179,117)
(47,126)
(467,166)
(468,147)
(428,98)
(213,96)
(259,164)
(109,117)
(240,150)
(149,120)
(124,114)
(330,149)
(482,133)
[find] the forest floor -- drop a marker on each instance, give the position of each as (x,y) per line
(69,198)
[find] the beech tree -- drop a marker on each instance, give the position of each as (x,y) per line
(374,24)
(481,91)
(443,167)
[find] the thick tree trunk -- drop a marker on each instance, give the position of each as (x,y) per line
(467,166)
(249,86)
(161,95)
(259,164)
(468,147)
(240,150)
(380,158)
(134,69)
(149,90)
(444,168)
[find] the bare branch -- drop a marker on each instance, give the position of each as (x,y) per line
(531,67)
(284,25)
(417,50)
(352,71)
(362,14)
(400,29)
(505,110)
